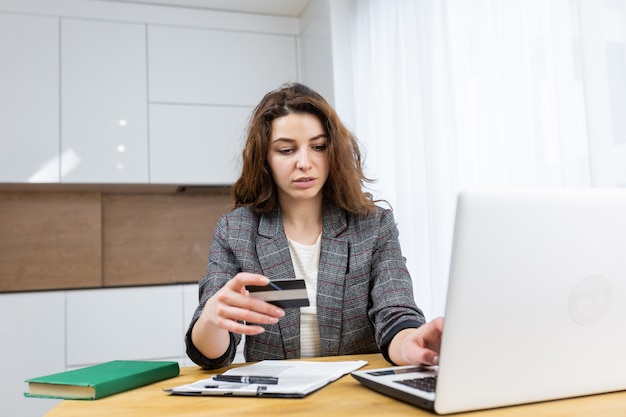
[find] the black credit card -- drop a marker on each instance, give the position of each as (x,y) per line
(284,294)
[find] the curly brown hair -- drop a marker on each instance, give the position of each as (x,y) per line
(344,187)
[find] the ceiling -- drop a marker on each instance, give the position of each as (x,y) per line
(290,8)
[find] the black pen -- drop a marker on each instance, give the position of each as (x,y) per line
(268,380)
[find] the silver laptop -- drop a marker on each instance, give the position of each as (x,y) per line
(536,306)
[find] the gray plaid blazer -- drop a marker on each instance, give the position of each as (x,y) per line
(364,291)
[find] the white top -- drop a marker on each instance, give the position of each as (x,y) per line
(305,264)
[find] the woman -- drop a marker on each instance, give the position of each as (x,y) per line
(300,211)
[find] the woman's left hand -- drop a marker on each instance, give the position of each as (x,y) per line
(417,346)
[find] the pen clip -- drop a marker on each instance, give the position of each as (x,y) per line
(246,379)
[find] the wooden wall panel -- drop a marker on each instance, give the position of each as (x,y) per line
(50,241)
(160,238)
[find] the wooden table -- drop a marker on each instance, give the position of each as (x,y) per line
(344,397)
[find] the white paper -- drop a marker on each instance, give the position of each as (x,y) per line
(295,378)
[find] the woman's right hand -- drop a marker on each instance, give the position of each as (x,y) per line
(233,309)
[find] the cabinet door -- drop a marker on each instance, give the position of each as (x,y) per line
(125,323)
(196,144)
(104,102)
(32,330)
(190,302)
(198,66)
(29,99)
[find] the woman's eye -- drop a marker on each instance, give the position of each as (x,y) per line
(321,147)
(285,151)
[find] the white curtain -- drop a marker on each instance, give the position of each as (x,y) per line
(483,93)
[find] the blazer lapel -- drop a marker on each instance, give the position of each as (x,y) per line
(331,275)
(276,264)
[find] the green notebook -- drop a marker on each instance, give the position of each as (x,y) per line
(101,380)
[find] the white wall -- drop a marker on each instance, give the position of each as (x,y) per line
(341,60)
(316,49)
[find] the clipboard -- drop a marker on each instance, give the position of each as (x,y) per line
(296,379)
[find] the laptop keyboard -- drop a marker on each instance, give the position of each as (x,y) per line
(427,384)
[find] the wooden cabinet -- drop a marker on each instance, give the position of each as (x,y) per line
(29,98)
(60,240)
(104,134)
(50,241)
(158,238)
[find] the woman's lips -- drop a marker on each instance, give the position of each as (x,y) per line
(304,181)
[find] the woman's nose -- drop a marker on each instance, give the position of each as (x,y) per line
(303,161)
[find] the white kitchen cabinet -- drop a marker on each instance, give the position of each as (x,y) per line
(203,86)
(29,98)
(32,330)
(124,323)
(53,331)
(104,102)
(76,82)
(190,300)
(228,68)
(196,144)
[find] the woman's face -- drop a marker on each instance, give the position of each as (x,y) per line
(298,157)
